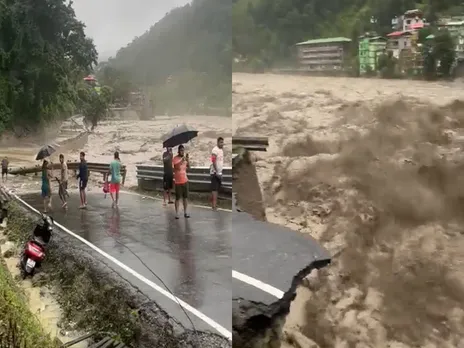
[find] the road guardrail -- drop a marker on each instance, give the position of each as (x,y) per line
(250,143)
(150,178)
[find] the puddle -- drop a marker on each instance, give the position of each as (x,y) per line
(41,302)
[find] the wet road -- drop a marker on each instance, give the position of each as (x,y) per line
(191,256)
(270,254)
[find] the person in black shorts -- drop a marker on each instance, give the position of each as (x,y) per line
(5,164)
(168,176)
(83,177)
(217,165)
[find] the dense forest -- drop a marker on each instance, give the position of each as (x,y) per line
(183,62)
(266,30)
(44,53)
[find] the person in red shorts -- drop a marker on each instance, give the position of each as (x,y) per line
(180,163)
(115,183)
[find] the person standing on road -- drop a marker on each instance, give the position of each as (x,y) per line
(5,164)
(115,183)
(180,164)
(217,164)
(63,182)
(46,187)
(168,175)
(83,177)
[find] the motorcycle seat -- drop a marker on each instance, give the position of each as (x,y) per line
(40,241)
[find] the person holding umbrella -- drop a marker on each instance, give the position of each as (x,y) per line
(46,187)
(180,164)
(44,152)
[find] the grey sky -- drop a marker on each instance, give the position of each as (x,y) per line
(114,23)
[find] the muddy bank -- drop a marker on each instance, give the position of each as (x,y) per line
(94,297)
(257,325)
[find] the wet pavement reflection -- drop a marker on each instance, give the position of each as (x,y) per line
(191,256)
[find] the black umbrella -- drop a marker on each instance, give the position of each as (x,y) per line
(45,151)
(179,135)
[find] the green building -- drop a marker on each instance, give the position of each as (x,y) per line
(370,48)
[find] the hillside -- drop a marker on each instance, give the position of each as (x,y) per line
(267,30)
(191,44)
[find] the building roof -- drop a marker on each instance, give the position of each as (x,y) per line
(453,24)
(398,33)
(416,26)
(325,40)
(377,38)
(414,12)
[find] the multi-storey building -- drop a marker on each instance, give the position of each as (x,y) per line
(327,54)
(370,48)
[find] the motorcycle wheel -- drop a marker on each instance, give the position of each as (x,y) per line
(23,274)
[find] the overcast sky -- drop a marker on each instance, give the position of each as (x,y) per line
(114,23)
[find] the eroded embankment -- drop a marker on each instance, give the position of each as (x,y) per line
(255,324)
(94,297)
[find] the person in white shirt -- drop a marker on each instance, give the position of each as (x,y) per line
(217,164)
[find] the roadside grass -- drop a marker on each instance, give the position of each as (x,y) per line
(19,328)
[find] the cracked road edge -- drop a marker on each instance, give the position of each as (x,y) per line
(256,324)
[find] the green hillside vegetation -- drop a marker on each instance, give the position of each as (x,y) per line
(265,31)
(43,54)
(192,44)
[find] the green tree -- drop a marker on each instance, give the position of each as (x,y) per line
(386,65)
(117,80)
(94,106)
(444,53)
(43,53)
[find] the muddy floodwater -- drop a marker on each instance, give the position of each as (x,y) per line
(138,142)
(373,169)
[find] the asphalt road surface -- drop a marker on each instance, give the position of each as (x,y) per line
(270,254)
(192,256)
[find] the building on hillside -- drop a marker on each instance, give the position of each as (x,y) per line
(405,31)
(370,48)
(410,20)
(399,40)
(403,41)
(327,54)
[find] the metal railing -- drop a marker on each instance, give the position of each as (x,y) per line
(242,145)
(250,143)
(150,178)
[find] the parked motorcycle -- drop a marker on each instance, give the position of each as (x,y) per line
(34,250)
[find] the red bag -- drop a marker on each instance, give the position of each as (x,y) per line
(106,187)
